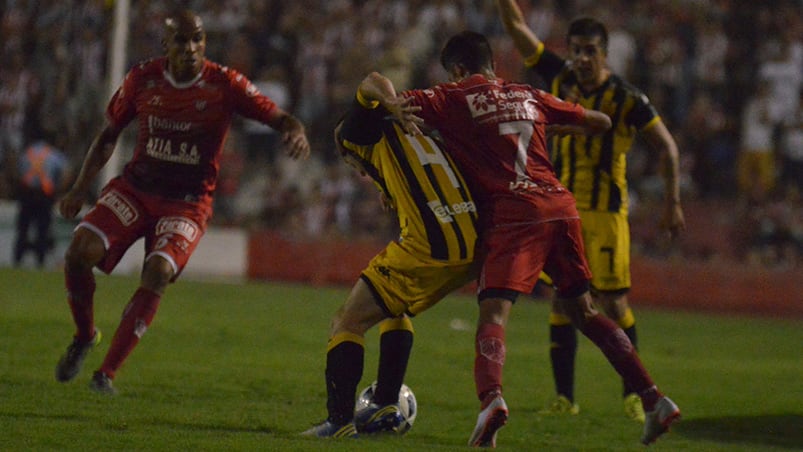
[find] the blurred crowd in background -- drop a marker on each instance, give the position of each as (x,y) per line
(726,76)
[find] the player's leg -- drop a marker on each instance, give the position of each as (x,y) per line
(615,345)
(345,354)
(42,220)
(86,250)
(568,267)
(562,353)
(395,346)
(22,223)
(489,359)
(168,246)
(137,317)
(615,306)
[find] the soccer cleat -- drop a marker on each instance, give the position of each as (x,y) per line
(633,407)
(489,421)
(71,361)
(561,405)
(328,429)
(657,421)
(377,419)
(102,384)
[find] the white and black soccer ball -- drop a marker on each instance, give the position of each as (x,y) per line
(407,405)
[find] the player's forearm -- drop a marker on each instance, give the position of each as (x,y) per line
(671,174)
(287,123)
(100,151)
(376,89)
(523,37)
(659,138)
(596,122)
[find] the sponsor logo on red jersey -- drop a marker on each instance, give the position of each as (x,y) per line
(480,104)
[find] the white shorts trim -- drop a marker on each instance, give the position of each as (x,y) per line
(96,231)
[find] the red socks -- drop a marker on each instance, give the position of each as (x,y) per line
(80,296)
(489,358)
(615,345)
(136,318)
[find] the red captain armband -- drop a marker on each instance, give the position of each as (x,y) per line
(369,104)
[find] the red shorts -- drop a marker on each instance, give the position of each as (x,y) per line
(515,254)
(172,228)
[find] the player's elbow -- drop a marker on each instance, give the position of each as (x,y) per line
(597,122)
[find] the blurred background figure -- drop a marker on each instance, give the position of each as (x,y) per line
(43,173)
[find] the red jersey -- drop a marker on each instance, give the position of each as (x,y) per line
(495,130)
(182,126)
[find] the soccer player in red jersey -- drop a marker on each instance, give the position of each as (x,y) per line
(496,132)
(184,106)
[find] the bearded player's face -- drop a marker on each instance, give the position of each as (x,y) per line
(185,45)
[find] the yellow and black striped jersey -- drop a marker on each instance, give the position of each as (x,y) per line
(436,212)
(594,168)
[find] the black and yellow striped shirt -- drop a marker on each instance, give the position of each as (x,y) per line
(594,168)
(436,212)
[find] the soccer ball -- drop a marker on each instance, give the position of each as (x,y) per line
(407,405)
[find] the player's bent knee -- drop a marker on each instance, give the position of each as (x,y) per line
(85,250)
(157,273)
(573,291)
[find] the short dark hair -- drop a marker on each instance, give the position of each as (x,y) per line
(589,27)
(468,49)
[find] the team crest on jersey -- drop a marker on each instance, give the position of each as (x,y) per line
(480,104)
(178,225)
(120,206)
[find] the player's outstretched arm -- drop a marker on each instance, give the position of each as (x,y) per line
(594,123)
(659,139)
(100,151)
(523,37)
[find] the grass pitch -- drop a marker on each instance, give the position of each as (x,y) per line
(240,367)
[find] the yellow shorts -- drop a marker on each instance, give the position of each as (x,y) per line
(406,283)
(606,239)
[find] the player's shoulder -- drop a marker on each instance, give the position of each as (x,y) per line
(224,75)
(149,67)
(629,89)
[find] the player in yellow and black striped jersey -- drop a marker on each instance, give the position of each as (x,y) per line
(593,168)
(433,256)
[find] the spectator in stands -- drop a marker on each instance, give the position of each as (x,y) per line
(756,165)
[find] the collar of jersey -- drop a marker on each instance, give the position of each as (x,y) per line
(181,85)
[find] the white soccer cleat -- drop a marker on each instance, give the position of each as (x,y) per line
(490,420)
(657,421)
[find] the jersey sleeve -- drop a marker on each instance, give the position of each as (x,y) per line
(248,100)
(643,113)
(545,63)
(122,107)
(362,126)
(559,111)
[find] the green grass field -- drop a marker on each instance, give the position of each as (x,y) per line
(240,367)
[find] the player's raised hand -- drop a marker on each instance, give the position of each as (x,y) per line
(405,112)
